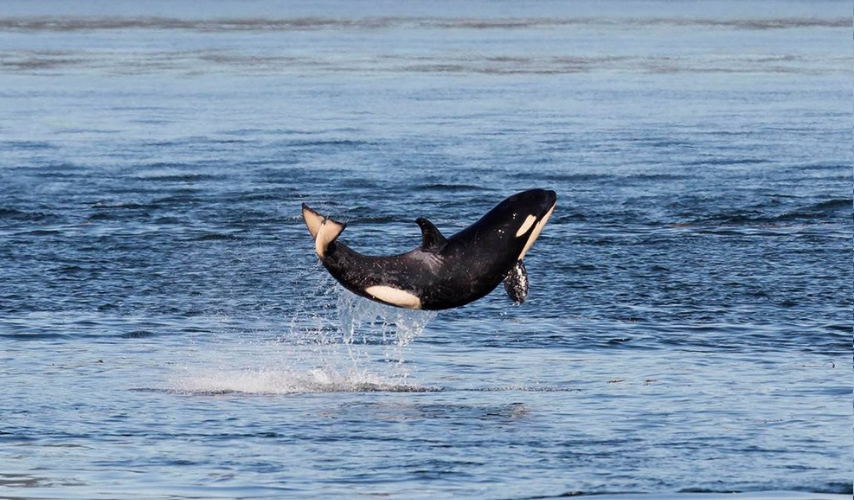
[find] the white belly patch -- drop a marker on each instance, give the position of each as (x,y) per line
(394,296)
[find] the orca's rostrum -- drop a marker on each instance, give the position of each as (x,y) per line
(442,272)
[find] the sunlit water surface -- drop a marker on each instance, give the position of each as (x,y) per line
(166,329)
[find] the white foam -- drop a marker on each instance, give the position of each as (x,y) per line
(264,381)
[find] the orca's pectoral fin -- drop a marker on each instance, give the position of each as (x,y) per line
(516,283)
(432,239)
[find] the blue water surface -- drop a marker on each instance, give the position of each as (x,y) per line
(167,332)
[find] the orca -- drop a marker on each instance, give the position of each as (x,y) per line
(442,273)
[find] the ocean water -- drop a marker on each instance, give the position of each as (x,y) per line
(167,332)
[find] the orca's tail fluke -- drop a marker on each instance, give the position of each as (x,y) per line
(323,229)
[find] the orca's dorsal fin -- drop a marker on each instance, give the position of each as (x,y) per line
(432,239)
(516,283)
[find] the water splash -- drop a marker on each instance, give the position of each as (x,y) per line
(390,323)
(363,351)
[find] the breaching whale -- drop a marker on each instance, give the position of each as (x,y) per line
(442,272)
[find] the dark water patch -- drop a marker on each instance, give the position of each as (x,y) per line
(33,335)
(150,121)
(13,214)
(262,196)
(830,206)
(73,269)
(759,492)
(101,216)
(324,143)
(88,131)
(219,237)
(657,177)
(249,132)
(645,332)
(838,488)
(278,161)
(449,188)
(171,143)
(169,221)
(245,60)
(826,166)
(364,183)
(58,175)
(762,217)
(487,67)
(559,177)
(153,390)
(195,63)
(181,197)
(38,60)
(739,219)
(843,329)
(137,334)
(366,215)
(714,162)
(27,145)
(664,143)
(43,232)
(229,141)
(182,177)
(125,205)
(275,131)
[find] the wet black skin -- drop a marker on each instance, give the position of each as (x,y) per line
(452,272)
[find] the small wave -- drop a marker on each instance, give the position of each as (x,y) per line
(198,62)
(704,494)
(806,493)
(829,206)
(828,210)
(823,210)
(74,24)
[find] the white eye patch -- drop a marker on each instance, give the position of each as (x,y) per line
(529,221)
